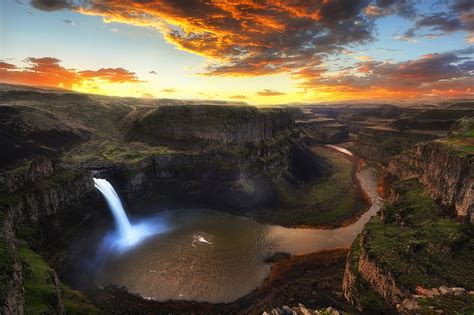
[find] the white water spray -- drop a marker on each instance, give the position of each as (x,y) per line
(115,206)
(128,234)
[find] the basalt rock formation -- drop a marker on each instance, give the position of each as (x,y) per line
(323,130)
(415,242)
(381,142)
(444,167)
(410,244)
(205,125)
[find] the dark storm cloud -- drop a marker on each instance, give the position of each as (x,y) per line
(50,5)
(459,17)
(244,37)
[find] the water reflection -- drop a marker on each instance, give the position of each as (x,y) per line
(304,241)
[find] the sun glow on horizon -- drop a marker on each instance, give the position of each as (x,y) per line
(164,50)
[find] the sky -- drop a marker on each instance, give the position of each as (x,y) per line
(256,51)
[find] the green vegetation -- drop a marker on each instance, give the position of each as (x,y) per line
(393,145)
(448,304)
(41,291)
(331,201)
(108,151)
(76,303)
(420,246)
(462,136)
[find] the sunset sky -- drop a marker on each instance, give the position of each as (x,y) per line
(260,52)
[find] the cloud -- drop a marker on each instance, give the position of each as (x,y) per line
(452,71)
(269,92)
(238,97)
(364,58)
(169,90)
(48,71)
(6,66)
(50,5)
(147,95)
(248,37)
(70,22)
(111,75)
(458,17)
(381,8)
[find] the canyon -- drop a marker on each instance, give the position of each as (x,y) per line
(269,165)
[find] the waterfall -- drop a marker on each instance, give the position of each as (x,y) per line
(127,234)
(126,231)
(115,205)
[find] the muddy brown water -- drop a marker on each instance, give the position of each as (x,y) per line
(206,255)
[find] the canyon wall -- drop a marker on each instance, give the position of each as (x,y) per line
(323,130)
(381,143)
(410,245)
(31,192)
(447,174)
(207,124)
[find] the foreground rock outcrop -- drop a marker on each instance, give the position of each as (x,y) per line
(410,244)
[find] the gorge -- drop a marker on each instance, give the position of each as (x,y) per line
(236,209)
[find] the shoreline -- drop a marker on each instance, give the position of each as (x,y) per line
(314,280)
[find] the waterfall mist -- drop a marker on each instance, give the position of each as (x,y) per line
(127,234)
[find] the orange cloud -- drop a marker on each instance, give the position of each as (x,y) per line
(48,71)
(242,37)
(430,75)
(238,97)
(269,92)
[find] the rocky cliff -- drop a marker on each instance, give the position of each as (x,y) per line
(410,244)
(323,130)
(447,173)
(33,191)
(207,124)
(381,143)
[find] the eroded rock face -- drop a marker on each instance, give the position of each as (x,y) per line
(447,174)
(380,279)
(28,131)
(324,130)
(12,298)
(201,125)
(36,191)
(237,176)
(381,143)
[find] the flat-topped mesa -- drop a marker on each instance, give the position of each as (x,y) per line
(381,143)
(191,125)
